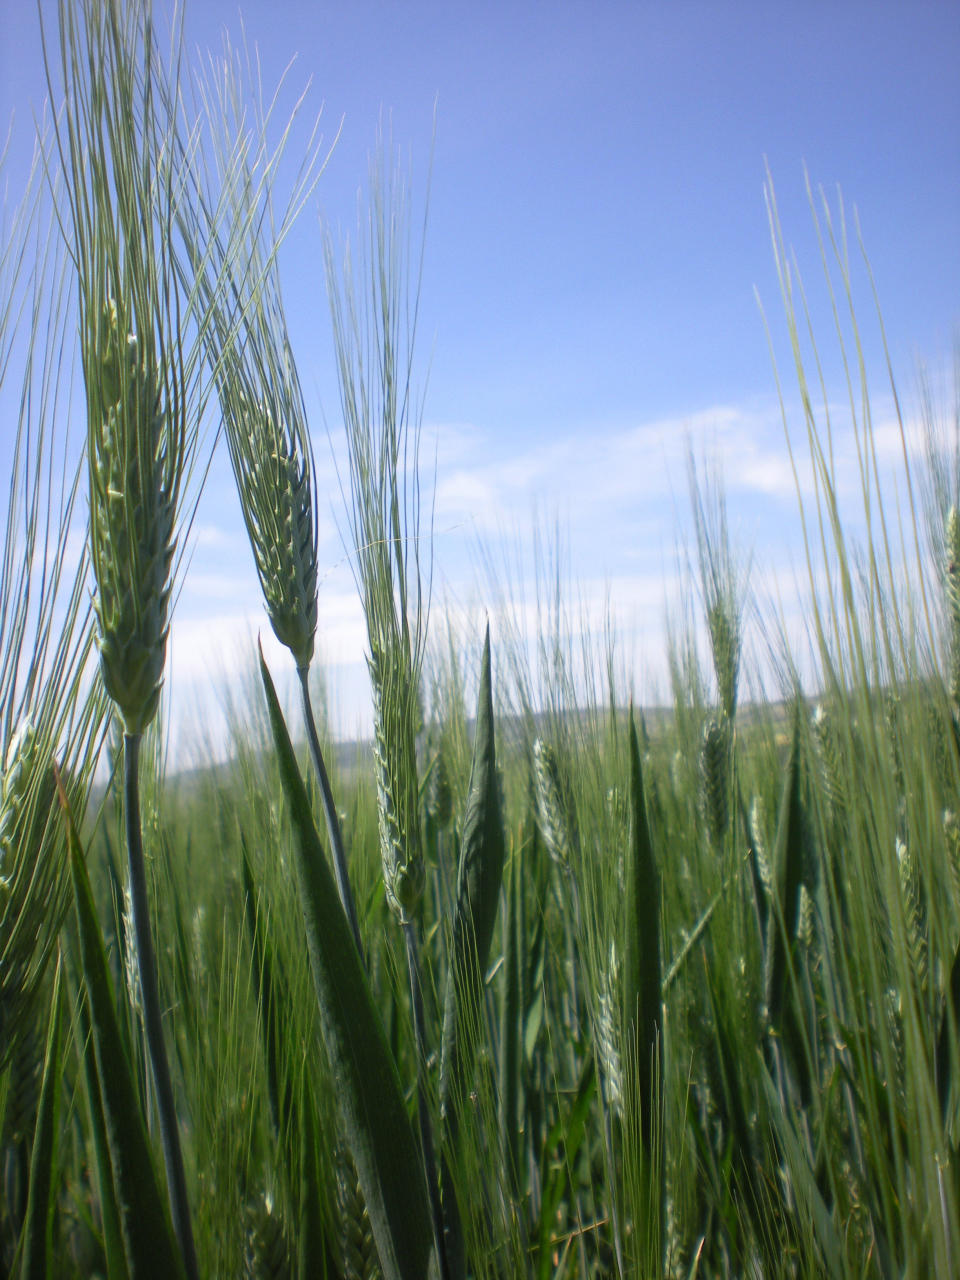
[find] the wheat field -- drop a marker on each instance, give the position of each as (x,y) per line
(541,980)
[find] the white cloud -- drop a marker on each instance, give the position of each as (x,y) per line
(206,537)
(621,493)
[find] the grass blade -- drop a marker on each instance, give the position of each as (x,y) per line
(641,964)
(789,862)
(511,1025)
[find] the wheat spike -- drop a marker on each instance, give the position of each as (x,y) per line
(757,828)
(723,626)
(828,758)
(397,806)
(133,495)
(131,964)
(608,1033)
(892,720)
(714,778)
(439,792)
(913,912)
(358,1250)
(805,916)
(273,472)
(265,1254)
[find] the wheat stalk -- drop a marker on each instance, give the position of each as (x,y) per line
(373,339)
(715,778)
(357,1247)
(114,142)
(232,237)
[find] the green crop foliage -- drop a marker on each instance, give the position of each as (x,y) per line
(573,987)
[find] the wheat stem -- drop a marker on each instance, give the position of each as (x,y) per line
(330,811)
(153,1023)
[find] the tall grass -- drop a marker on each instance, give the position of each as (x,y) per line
(585,988)
(51,716)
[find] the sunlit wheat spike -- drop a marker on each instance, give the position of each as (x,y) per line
(374,323)
(714,778)
(951,836)
(722,625)
(893,1016)
(554,824)
(828,760)
(232,233)
(805,918)
(607,1028)
(892,718)
(358,1250)
(272,465)
(265,1254)
(132,513)
(131,967)
(400,852)
(913,912)
(723,583)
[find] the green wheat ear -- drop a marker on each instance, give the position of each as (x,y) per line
(551,810)
(714,778)
(439,796)
(265,1253)
(357,1247)
(272,467)
(132,512)
(394,755)
(31,893)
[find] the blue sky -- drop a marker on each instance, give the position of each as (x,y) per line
(596,233)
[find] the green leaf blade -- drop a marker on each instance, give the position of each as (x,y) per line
(642,981)
(480,874)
